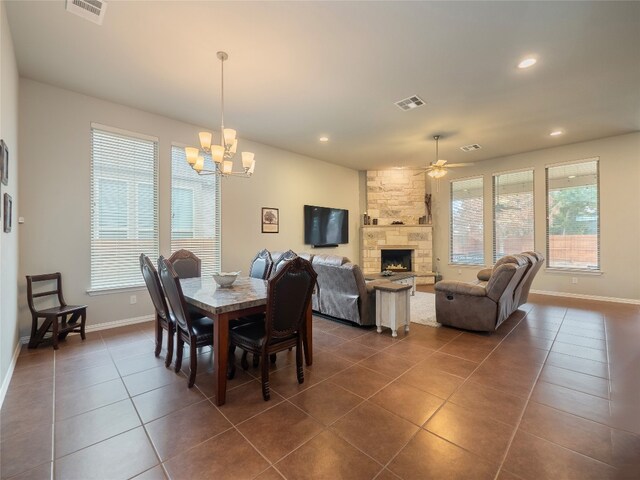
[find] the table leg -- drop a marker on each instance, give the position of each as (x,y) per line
(307,339)
(221,352)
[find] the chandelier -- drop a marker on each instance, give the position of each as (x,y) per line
(222,154)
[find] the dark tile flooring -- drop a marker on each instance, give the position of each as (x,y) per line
(552,394)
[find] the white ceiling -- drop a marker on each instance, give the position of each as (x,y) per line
(301,70)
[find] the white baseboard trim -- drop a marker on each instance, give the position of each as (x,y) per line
(119,323)
(7,378)
(108,325)
(597,298)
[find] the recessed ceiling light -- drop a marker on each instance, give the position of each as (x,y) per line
(324,139)
(527,62)
(555,133)
(571,176)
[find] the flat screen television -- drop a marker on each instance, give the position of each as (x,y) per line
(324,226)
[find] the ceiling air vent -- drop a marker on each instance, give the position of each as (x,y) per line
(471,148)
(410,103)
(92,10)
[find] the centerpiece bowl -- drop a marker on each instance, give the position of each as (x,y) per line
(225,279)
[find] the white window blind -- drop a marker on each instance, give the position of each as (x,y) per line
(124,206)
(513,219)
(573,216)
(466,234)
(195,211)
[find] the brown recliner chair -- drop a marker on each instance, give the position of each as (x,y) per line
(481,307)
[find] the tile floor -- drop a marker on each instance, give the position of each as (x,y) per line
(552,394)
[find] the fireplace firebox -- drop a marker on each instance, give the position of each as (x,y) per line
(396,260)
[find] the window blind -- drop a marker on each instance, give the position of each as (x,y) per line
(573,216)
(466,235)
(513,215)
(195,211)
(124,206)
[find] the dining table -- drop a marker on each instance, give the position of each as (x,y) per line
(246,296)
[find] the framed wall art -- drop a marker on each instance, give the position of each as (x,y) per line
(270,220)
(4,162)
(8,204)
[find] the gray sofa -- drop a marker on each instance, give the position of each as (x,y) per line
(341,291)
(484,305)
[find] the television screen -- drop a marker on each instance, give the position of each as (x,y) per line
(325,226)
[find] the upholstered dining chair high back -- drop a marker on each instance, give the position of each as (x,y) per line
(164,318)
(190,329)
(282,260)
(288,300)
(185,263)
(261,265)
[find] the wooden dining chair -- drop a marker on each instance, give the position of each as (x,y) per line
(282,259)
(288,298)
(185,263)
(194,331)
(261,265)
(164,316)
(61,320)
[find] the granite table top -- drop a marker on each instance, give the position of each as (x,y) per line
(204,293)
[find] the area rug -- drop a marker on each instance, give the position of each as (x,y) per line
(423,309)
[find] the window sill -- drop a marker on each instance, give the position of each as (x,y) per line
(573,271)
(467,265)
(114,290)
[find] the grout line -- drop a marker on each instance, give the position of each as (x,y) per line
(521,416)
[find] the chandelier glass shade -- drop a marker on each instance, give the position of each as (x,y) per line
(221,154)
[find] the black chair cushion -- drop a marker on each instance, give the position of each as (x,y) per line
(202,328)
(253,334)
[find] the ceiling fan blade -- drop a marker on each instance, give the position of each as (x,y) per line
(420,173)
(440,163)
(456,165)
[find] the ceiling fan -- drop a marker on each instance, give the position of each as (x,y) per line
(439,169)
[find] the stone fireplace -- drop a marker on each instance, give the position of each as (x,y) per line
(395,260)
(397,196)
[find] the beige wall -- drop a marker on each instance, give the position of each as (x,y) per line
(55,185)
(8,241)
(619,215)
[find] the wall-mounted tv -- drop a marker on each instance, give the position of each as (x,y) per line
(325,227)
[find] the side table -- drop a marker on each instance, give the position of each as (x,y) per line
(392,306)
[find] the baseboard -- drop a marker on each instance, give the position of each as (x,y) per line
(119,323)
(7,378)
(597,298)
(108,325)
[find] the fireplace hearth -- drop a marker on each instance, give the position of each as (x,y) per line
(395,260)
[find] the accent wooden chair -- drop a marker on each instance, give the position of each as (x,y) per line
(164,317)
(288,298)
(61,320)
(195,332)
(261,265)
(185,263)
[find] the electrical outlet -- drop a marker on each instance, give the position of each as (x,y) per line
(133,300)
(574,280)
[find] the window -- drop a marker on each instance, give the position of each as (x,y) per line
(513,219)
(573,217)
(195,211)
(124,206)
(466,234)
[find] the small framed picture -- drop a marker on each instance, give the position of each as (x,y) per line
(8,203)
(270,220)
(4,162)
